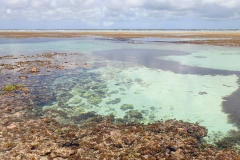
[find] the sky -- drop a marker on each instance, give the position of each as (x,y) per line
(119,14)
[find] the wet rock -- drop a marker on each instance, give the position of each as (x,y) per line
(34,69)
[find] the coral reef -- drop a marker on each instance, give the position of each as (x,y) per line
(66,128)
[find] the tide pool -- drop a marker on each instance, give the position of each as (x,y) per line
(139,81)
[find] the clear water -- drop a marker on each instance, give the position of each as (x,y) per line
(159,80)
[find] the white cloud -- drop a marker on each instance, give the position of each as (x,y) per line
(107,12)
(14,3)
(8,11)
(108,23)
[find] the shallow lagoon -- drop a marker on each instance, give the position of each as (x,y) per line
(158,80)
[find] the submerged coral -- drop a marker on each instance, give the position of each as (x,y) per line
(133,116)
(115,101)
(232,140)
(127,107)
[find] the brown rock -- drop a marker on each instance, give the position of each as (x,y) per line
(34,70)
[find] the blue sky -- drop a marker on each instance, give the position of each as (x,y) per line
(119,14)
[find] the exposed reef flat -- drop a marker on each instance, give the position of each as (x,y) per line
(218,38)
(100,138)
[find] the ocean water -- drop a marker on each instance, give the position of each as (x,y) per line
(153,79)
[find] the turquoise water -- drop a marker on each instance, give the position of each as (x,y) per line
(157,80)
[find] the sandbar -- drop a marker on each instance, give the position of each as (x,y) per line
(217,38)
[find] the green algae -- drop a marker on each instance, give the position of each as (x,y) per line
(12,87)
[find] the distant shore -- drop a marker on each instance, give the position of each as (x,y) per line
(218,38)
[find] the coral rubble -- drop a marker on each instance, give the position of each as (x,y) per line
(101,138)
